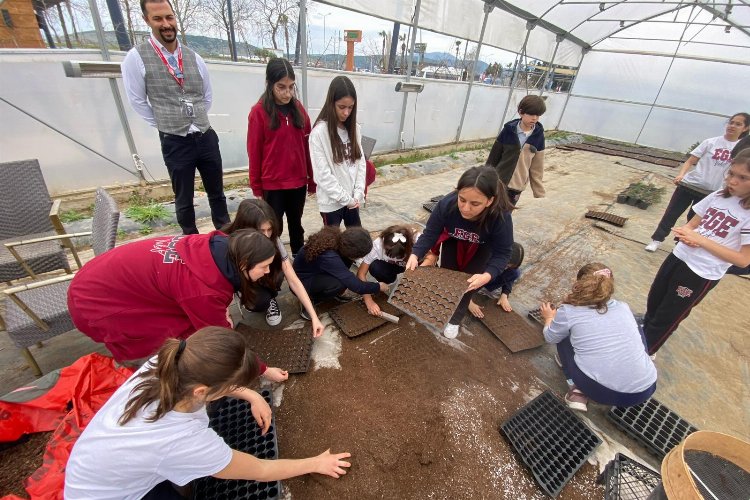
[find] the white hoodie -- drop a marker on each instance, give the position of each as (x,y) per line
(336,188)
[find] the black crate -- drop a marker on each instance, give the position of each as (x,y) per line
(429,206)
(232,420)
(653,425)
(624,478)
(551,440)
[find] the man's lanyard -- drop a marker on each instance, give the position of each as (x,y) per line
(170,69)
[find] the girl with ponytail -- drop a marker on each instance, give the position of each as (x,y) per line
(153,432)
(599,345)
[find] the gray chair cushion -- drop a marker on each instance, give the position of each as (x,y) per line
(50,303)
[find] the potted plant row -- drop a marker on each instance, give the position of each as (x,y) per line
(641,195)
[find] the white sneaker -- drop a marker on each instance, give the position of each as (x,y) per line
(653,246)
(450,331)
(273,314)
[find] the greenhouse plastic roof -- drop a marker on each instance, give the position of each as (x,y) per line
(702,29)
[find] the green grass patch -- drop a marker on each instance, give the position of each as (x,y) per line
(147,214)
(72,216)
(146,230)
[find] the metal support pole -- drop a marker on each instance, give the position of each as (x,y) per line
(232,40)
(529,26)
(584,51)
(415,27)
(666,75)
(113,85)
(558,39)
(303,28)
(115,14)
(393,48)
(43,25)
(487,9)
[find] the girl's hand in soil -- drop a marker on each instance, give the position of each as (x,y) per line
(412,263)
(332,464)
(372,307)
(503,303)
(317,327)
(548,312)
(262,413)
(689,237)
(475,310)
(478,281)
(275,374)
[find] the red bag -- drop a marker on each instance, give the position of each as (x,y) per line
(370,174)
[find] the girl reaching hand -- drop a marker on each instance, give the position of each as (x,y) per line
(153,432)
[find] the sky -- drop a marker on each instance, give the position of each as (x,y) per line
(340,19)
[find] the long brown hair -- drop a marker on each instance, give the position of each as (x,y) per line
(216,357)
(354,243)
(742,158)
(594,286)
(247,248)
(340,87)
(487,182)
(276,69)
(251,214)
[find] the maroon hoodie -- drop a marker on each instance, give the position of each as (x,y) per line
(279,159)
(135,296)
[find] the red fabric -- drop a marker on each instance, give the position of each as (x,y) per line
(465,250)
(66,408)
(136,296)
(370,174)
(279,159)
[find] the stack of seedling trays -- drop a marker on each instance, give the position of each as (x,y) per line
(624,478)
(232,420)
(430,205)
(551,440)
(653,425)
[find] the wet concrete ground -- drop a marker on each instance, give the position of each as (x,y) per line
(704,373)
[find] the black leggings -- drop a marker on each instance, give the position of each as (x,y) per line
(477,265)
(385,272)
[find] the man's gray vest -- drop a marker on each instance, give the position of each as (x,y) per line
(164,93)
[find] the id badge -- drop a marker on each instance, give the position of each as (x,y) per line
(187,108)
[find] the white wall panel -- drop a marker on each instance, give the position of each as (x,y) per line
(612,120)
(484,113)
(626,77)
(678,130)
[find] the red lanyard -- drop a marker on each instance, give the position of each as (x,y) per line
(179,80)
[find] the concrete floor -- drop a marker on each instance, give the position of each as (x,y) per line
(704,373)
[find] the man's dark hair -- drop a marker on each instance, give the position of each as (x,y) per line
(144,2)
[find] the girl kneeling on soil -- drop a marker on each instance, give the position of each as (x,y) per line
(475,225)
(599,346)
(717,237)
(337,159)
(387,259)
(323,264)
(258,215)
(154,430)
(135,296)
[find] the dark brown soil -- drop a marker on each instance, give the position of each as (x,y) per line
(420,415)
(19,462)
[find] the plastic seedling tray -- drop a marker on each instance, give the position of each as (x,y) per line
(617,220)
(232,420)
(653,425)
(290,350)
(429,206)
(624,478)
(354,320)
(551,440)
(512,330)
(536,315)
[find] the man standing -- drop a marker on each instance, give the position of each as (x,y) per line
(168,86)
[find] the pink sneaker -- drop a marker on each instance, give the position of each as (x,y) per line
(576,400)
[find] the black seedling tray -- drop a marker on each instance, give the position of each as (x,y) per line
(617,220)
(232,420)
(536,315)
(624,478)
(437,198)
(429,206)
(551,440)
(653,425)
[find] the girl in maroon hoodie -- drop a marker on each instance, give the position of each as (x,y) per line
(136,296)
(278,151)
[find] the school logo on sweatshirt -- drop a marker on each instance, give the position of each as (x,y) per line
(463,234)
(717,222)
(684,292)
(166,249)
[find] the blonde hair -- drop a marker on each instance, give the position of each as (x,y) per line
(594,286)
